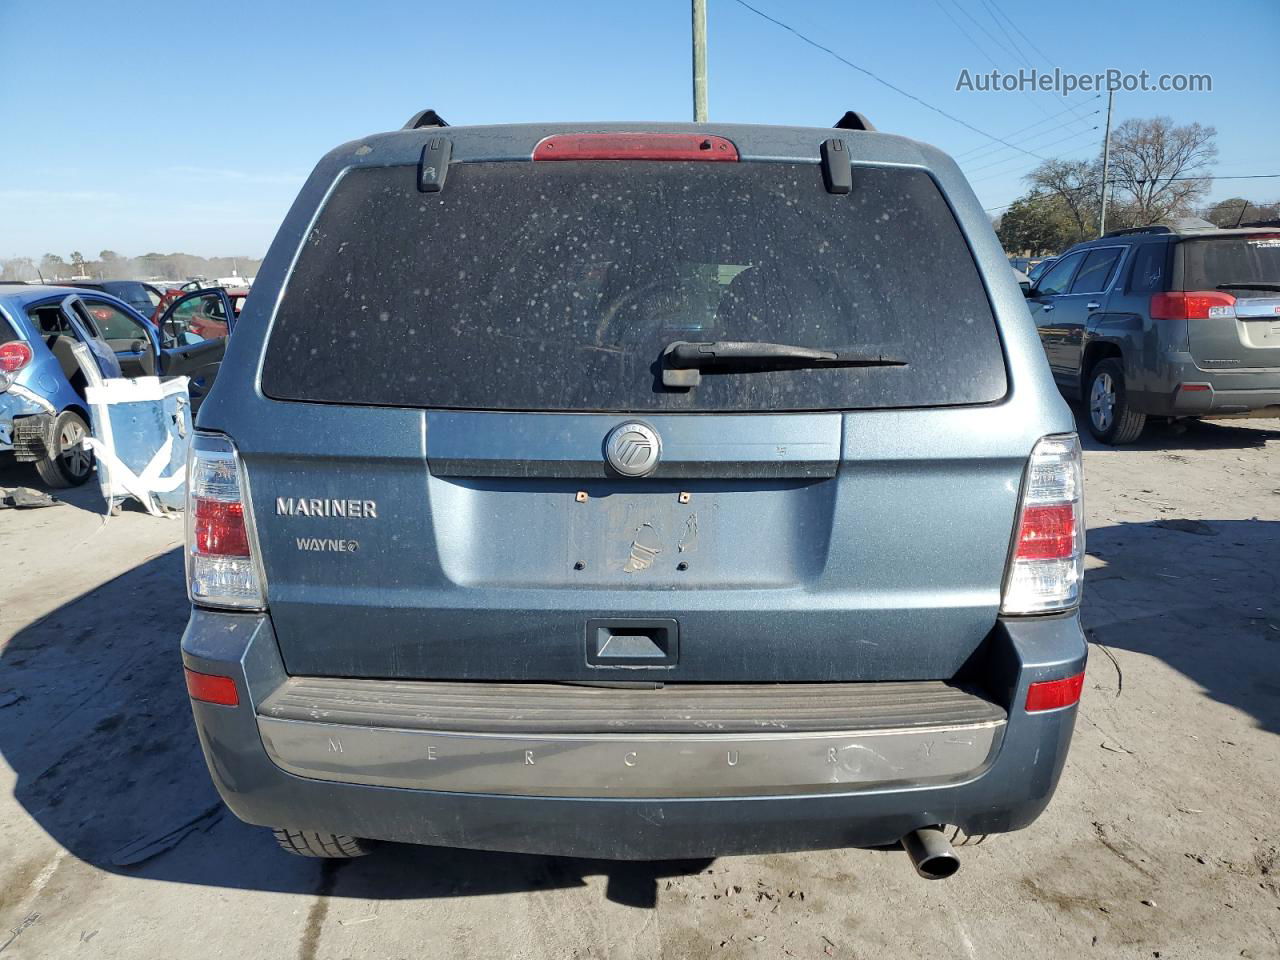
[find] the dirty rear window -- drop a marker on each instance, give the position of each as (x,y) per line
(556,286)
(1208,262)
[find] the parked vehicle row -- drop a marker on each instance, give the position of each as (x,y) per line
(143,297)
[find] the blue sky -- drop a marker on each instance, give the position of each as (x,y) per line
(175,125)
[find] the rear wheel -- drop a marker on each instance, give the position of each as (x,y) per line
(309,843)
(69,462)
(1111,419)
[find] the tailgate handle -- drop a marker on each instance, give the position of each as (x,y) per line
(633,644)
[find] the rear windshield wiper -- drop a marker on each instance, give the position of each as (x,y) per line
(683,362)
(1250,285)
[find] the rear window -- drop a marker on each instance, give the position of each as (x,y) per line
(1210,262)
(1148,270)
(133,293)
(556,286)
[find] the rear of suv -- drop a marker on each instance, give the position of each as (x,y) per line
(627,491)
(1176,321)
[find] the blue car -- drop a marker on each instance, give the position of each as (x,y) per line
(43,412)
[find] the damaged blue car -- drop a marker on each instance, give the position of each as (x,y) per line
(44,417)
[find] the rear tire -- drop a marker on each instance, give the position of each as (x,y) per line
(329,846)
(1111,419)
(70,463)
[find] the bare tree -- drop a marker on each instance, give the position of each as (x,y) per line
(1077,186)
(52,265)
(17,268)
(1156,167)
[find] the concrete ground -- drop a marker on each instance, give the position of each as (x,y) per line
(1162,841)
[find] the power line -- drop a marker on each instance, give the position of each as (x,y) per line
(1047,59)
(1008,36)
(881,80)
(995,151)
(1247,176)
(988,148)
(974,21)
(1043,56)
(1008,173)
(1043,146)
(981,49)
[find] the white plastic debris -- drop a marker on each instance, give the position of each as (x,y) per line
(141,432)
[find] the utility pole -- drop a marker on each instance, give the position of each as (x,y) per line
(699,61)
(1106,166)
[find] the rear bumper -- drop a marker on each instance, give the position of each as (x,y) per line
(19,408)
(686,741)
(1213,400)
(795,797)
(1186,390)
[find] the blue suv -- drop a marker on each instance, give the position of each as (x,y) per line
(628,491)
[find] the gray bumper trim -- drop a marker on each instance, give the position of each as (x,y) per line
(605,765)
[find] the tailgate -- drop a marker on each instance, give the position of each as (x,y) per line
(444,370)
(1246,267)
(803,547)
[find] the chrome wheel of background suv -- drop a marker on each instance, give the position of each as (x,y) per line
(1102,402)
(1111,419)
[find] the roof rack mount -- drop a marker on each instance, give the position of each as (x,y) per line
(852,120)
(424,118)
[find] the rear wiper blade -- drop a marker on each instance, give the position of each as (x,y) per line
(1250,285)
(682,361)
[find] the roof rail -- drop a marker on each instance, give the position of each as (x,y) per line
(424,118)
(1182,226)
(1153,228)
(852,120)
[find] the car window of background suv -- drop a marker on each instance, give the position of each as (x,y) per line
(1056,280)
(1148,268)
(1098,265)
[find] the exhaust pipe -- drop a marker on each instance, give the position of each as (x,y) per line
(931,853)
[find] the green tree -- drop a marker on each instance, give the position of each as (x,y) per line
(1076,186)
(1035,225)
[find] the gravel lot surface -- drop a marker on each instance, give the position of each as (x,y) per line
(1163,839)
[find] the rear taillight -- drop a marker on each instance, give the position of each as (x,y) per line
(222,567)
(1047,563)
(211,688)
(14,355)
(635,146)
(1192,305)
(1054,694)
